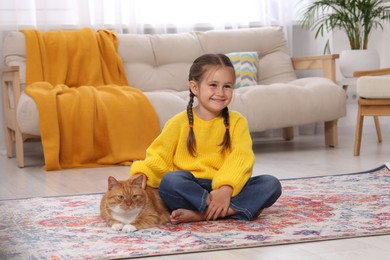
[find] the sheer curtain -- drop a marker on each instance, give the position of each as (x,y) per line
(146,16)
(142,16)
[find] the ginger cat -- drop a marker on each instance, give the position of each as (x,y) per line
(131,205)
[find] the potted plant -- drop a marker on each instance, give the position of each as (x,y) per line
(357,18)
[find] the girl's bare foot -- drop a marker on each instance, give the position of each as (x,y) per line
(185,215)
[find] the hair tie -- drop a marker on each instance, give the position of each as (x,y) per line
(227,127)
(191,126)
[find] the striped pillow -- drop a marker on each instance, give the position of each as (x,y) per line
(245,65)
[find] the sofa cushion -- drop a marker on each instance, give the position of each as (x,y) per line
(162,61)
(158,62)
(373,87)
(245,64)
(298,102)
(278,105)
(166,103)
(275,64)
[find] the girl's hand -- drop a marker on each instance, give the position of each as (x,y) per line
(219,202)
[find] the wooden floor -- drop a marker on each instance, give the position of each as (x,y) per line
(304,156)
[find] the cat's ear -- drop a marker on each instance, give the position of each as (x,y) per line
(139,180)
(112,182)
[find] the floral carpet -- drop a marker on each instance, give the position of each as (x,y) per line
(310,209)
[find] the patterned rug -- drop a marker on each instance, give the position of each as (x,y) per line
(310,209)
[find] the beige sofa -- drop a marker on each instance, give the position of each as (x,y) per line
(159,65)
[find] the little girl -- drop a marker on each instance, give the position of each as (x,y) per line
(202,161)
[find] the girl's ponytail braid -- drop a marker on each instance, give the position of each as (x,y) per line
(226,139)
(191,142)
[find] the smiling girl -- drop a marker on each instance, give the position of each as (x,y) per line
(202,161)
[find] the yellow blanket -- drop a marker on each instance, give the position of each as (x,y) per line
(88,115)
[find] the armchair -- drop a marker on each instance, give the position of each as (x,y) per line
(373,89)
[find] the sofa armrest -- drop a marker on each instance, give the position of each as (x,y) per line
(378,72)
(327,63)
(11,88)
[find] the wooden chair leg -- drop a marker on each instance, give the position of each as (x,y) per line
(19,148)
(9,142)
(378,129)
(288,133)
(331,133)
(16,137)
(358,133)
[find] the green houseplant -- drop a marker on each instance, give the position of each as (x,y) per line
(357,18)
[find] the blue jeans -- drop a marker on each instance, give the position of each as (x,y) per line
(181,190)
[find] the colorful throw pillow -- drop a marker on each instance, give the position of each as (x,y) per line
(245,64)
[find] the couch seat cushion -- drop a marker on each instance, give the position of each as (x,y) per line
(373,86)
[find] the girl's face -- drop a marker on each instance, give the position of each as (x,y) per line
(214,92)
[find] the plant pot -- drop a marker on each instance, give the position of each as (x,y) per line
(355,60)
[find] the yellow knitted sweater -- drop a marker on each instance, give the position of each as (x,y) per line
(168,152)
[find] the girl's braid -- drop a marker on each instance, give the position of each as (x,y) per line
(191,142)
(226,139)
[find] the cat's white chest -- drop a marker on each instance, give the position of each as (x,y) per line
(124,216)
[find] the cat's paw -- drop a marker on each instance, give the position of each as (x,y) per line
(117,227)
(129,228)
